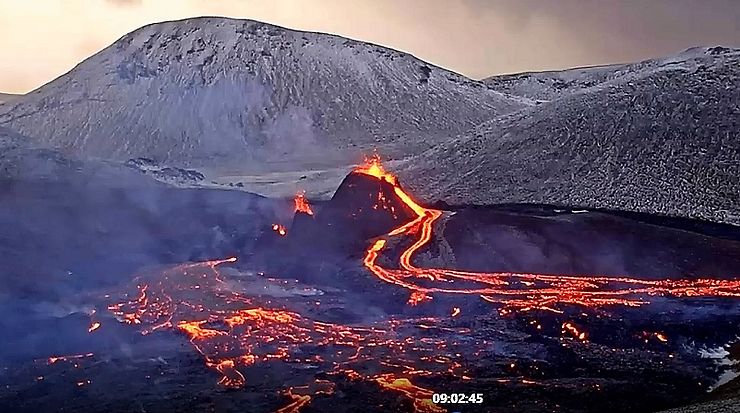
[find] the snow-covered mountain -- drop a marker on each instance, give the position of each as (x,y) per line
(551,85)
(657,136)
(217,91)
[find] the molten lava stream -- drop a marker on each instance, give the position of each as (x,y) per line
(234,333)
(518,291)
(301,396)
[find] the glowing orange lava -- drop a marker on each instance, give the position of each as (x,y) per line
(517,291)
(571,328)
(418,297)
(301,396)
(301,205)
(233,333)
(421,397)
(374,167)
(280,229)
(54,359)
(647,335)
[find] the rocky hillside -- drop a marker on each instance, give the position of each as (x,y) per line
(660,136)
(218,91)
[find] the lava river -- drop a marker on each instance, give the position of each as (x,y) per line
(517,291)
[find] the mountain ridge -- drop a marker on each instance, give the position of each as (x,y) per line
(549,84)
(660,139)
(207,91)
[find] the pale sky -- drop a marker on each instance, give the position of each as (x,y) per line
(42,39)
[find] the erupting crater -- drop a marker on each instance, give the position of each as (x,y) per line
(516,291)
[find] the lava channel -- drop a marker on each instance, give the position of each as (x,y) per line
(516,291)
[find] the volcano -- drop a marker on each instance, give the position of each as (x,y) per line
(371,202)
(271,109)
(365,205)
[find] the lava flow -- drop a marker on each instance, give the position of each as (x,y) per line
(94,326)
(516,291)
(235,333)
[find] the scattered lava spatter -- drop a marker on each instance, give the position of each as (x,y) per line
(280,229)
(234,332)
(94,326)
(300,205)
(517,291)
(572,329)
